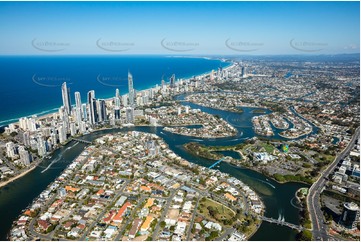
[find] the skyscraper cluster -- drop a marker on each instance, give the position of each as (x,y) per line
(43,135)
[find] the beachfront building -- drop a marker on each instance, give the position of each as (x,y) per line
(65,91)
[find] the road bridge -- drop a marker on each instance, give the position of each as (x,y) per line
(216,163)
(282,222)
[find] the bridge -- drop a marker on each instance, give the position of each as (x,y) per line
(82,141)
(282,223)
(216,163)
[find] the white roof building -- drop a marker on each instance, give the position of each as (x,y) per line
(181,228)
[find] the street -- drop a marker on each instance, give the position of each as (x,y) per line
(319,229)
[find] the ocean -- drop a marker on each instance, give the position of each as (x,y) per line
(32,84)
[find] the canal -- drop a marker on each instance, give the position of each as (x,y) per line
(278,198)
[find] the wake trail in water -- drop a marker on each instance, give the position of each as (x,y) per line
(267,183)
(48,167)
(72,146)
(281,216)
(235,139)
(199,140)
(293,203)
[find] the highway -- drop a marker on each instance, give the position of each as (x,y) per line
(319,228)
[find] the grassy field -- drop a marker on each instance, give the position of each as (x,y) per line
(215,211)
(269,148)
(253,147)
(324,158)
(246,147)
(201,150)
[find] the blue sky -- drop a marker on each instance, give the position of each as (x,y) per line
(179,28)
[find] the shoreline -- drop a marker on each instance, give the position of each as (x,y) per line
(201,137)
(51,111)
(255,169)
(240,164)
(305,119)
(267,175)
(248,237)
(12,179)
(295,137)
(2,184)
(121,127)
(222,204)
(281,128)
(254,232)
(297,197)
(223,109)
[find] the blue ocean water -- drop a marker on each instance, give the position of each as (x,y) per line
(32,84)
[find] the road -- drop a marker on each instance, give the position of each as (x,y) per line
(319,228)
(45,206)
(32,230)
(164,213)
(227,232)
(192,220)
(130,218)
(104,211)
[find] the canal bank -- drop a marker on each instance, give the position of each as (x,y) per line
(277,198)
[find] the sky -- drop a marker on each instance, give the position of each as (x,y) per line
(179,28)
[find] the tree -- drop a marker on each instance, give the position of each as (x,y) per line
(50,228)
(305,235)
(193,229)
(212,236)
(162,224)
(212,211)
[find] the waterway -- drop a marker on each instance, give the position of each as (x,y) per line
(278,198)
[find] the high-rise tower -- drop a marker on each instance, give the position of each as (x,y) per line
(172,81)
(93,115)
(131,94)
(65,91)
(117,93)
(78,108)
(117,104)
(77,100)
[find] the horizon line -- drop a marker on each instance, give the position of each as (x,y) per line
(194,55)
